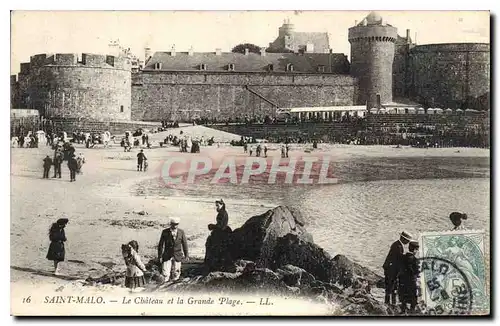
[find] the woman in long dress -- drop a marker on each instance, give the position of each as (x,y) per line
(57,238)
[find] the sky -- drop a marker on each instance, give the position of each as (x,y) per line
(34,32)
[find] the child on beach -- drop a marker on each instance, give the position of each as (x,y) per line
(408,278)
(134,277)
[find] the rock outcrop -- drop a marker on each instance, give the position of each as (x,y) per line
(256,240)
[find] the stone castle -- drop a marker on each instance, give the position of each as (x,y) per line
(296,70)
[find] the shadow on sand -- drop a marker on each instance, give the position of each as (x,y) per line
(37,177)
(45,273)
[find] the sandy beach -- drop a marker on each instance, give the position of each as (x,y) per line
(104,212)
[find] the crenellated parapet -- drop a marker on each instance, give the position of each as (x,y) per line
(69,85)
(88,60)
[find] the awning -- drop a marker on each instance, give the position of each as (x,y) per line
(326,109)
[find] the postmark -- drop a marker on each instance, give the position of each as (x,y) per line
(453,272)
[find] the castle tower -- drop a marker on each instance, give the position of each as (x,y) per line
(285,33)
(372,54)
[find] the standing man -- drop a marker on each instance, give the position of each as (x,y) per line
(140,159)
(47,163)
(172,248)
(73,167)
(58,159)
(392,267)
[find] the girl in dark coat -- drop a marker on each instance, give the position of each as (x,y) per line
(57,238)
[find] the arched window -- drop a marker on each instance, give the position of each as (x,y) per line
(289,67)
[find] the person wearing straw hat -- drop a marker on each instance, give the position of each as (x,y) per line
(172,249)
(392,266)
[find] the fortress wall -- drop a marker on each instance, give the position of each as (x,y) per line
(159,96)
(450,75)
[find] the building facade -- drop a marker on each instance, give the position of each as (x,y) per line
(296,70)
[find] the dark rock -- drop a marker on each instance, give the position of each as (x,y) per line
(244,265)
(347,269)
(365,306)
(295,276)
(108,278)
(343,271)
(362,272)
(256,240)
(292,250)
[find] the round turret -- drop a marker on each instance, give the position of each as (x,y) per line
(372,56)
(89,86)
(287,28)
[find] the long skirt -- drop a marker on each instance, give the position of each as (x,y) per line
(133,282)
(56,251)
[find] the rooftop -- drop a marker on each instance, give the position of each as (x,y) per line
(373,19)
(252,62)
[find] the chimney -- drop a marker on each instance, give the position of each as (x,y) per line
(218,51)
(247,51)
(330,51)
(379,103)
(191,51)
(263,52)
(408,36)
(172,51)
(147,54)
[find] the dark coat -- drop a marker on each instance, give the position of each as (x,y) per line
(56,249)
(394,259)
(408,278)
(222,219)
(72,164)
(58,157)
(141,157)
(47,162)
(169,247)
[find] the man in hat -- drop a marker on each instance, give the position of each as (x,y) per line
(392,266)
(73,167)
(410,270)
(172,248)
(47,164)
(140,159)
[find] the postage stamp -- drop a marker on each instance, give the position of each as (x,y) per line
(453,276)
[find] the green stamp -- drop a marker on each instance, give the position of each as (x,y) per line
(453,272)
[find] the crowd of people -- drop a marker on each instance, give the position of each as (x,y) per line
(63,151)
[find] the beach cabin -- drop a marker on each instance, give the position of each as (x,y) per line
(326,113)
